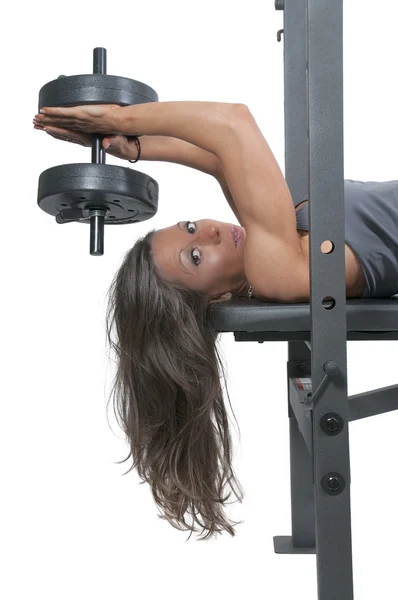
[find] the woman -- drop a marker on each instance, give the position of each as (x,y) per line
(167,387)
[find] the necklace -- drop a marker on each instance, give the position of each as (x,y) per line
(250,292)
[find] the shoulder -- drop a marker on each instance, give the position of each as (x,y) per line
(276,270)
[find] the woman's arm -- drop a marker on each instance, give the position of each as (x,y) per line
(154,148)
(174,150)
(207,125)
(222,180)
(250,174)
(274,261)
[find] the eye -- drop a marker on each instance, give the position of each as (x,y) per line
(189,226)
(195,256)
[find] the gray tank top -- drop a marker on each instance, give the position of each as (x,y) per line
(371,231)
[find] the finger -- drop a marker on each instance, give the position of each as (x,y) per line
(63,111)
(110,141)
(114,146)
(64,122)
(58,116)
(68,136)
(64,138)
(69,113)
(55,112)
(72,111)
(69,133)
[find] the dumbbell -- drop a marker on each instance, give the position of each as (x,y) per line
(95,193)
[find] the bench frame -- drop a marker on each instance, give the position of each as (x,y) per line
(319,408)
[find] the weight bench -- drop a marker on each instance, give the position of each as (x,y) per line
(256,321)
(321,517)
(317,332)
(319,408)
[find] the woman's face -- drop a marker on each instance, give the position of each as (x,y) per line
(205,256)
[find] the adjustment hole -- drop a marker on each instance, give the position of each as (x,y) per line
(116,200)
(328,303)
(82,198)
(327,247)
(130,210)
(64,205)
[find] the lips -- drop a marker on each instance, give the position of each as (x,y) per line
(234,236)
(237,234)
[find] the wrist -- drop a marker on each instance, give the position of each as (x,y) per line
(144,147)
(174,150)
(134,142)
(115,119)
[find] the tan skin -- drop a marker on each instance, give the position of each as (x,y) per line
(211,261)
(212,264)
(199,255)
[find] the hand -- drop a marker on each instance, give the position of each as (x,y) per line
(90,118)
(120,146)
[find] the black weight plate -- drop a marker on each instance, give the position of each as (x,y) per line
(95,89)
(128,195)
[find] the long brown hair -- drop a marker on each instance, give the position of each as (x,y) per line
(167,393)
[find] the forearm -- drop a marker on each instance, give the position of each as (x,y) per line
(208,125)
(169,149)
(220,176)
(173,150)
(187,133)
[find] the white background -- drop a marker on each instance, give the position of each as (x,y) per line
(71,525)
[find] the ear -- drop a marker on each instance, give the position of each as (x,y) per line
(224,298)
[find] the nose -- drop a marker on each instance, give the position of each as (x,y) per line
(209,234)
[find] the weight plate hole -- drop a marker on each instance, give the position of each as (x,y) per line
(81,198)
(116,200)
(130,210)
(64,205)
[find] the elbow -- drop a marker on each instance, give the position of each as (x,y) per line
(239,114)
(241,110)
(236,117)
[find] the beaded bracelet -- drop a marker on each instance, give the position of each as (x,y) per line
(138,144)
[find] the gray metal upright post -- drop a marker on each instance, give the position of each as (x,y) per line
(320,472)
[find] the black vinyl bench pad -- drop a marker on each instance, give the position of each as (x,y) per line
(250,315)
